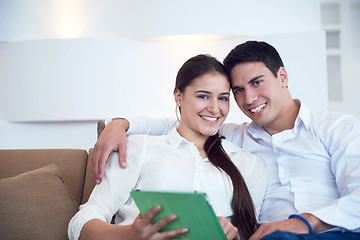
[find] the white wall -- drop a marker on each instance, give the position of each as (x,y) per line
(341,19)
(49,100)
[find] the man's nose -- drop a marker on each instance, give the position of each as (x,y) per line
(250,96)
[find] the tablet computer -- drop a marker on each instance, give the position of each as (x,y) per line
(192,209)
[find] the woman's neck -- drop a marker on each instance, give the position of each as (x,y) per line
(196,138)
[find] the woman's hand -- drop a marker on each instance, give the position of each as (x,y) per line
(143,229)
(230,231)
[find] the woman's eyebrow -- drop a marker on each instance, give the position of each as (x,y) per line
(208,92)
(203,91)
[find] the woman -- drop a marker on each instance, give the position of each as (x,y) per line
(193,157)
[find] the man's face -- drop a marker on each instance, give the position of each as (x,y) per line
(258,93)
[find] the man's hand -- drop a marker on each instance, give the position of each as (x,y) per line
(294,225)
(112,138)
(230,231)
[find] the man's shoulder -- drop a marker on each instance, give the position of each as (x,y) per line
(328,118)
(334,125)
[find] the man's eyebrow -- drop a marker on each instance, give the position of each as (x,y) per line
(251,81)
(255,78)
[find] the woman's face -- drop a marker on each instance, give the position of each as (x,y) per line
(204,105)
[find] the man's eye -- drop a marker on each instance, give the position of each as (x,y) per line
(257,82)
(238,90)
(224,98)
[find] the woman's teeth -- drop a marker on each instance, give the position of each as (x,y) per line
(258,109)
(209,118)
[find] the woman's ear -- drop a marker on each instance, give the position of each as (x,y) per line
(178,97)
(282,75)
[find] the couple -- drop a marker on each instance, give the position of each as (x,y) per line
(312,159)
(192,157)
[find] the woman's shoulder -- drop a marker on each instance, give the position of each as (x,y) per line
(233,149)
(241,157)
(141,139)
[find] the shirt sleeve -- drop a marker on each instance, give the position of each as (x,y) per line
(107,197)
(150,126)
(342,139)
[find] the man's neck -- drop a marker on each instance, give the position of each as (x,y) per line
(287,121)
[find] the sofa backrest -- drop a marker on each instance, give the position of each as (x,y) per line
(71,162)
(89,179)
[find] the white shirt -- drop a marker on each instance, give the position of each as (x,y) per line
(168,163)
(312,168)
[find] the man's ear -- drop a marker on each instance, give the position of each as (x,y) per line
(283,76)
(178,97)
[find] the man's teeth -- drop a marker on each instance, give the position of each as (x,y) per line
(258,109)
(209,118)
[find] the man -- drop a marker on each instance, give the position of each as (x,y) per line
(313,159)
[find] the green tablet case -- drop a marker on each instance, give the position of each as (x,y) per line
(192,210)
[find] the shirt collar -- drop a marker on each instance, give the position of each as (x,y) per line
(304,116)
(175,139)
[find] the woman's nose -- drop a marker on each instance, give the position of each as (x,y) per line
(214,108)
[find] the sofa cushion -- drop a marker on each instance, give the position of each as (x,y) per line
(71,162)
(35,205)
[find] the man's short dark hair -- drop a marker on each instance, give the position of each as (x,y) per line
(254,51)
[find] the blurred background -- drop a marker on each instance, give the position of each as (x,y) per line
(65,64)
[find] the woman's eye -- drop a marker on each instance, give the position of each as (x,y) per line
(224,98)
(203,97)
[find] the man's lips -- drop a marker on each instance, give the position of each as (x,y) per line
(258,108)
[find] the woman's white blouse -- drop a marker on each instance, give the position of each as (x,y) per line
(167,163)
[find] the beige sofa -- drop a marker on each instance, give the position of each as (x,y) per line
(41,189)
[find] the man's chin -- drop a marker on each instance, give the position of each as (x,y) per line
(257,122)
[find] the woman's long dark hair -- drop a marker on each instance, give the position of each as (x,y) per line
(242,205)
